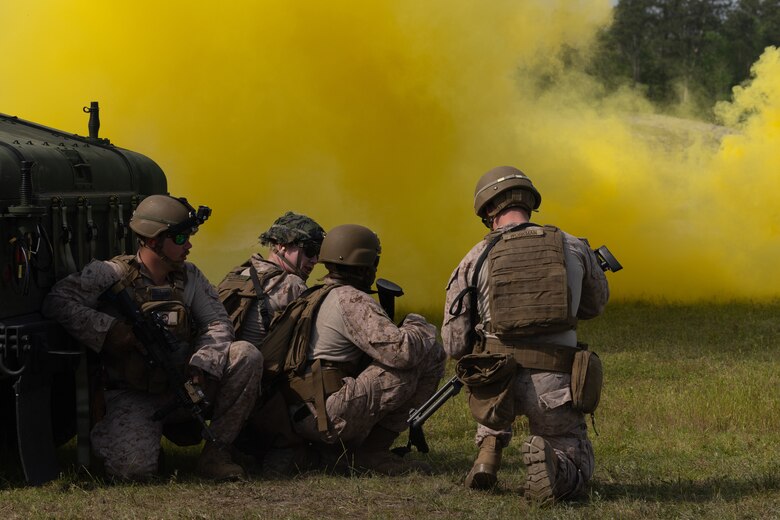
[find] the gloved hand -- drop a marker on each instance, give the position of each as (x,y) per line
(204,383)
(414,318)
(196,375)
(120,339)
(419,323)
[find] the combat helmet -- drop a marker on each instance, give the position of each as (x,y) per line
(158,213)
(296,229)
(351,245)
(504,186)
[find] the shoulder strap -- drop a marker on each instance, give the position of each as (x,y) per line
(235,292)
(457,304)
(262,295)
(129,269)
(296,357)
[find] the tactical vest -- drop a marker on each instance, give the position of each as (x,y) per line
(168,302)
(237,292)
(285,349)
(286,345)
(528,292)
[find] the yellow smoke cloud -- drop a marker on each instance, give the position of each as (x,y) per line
(386,113)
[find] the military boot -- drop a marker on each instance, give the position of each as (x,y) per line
(484,473)
(216,463)
(374,455)
(542,469)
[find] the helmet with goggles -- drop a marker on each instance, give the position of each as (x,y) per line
(158,214)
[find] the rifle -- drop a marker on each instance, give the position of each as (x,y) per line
(388,292)
(158,344)
(607,260)
(418,416)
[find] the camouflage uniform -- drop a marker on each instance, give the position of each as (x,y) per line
(279,290)
(544,397)
(127,438)
(405,365)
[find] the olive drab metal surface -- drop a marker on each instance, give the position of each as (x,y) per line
(64,200)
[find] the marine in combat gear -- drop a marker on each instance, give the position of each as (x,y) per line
(256,291)
(516,297)
(253,294)
(160,278)
(357,373)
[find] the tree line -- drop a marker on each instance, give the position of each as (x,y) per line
(685,53)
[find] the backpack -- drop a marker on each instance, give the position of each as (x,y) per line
(236,292)
(284,347)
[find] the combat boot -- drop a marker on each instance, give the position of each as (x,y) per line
(542,469)
(374,455)
(484,473)
(216,463)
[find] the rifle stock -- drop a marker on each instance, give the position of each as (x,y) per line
(418,416)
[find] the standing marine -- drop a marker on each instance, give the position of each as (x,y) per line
(159,279)
(511,313)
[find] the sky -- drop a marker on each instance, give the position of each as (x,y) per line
(386,114)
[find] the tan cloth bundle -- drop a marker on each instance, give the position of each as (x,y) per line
(489,379)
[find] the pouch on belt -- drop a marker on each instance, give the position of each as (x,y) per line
(489,379)
(587,378)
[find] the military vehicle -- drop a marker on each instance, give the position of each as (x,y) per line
(64,200)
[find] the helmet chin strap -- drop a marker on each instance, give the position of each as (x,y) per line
(295,269)
(167,261)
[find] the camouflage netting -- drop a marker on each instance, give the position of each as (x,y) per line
(293,228)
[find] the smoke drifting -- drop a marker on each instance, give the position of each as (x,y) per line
(386,113)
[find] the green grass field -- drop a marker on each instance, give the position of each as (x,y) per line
(688,428)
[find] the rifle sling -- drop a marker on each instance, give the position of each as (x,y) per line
(262,297)
(471,290)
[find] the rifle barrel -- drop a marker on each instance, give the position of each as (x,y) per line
(418,417)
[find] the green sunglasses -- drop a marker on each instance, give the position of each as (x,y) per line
(179,238)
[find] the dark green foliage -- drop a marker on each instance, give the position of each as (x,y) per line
(687,53)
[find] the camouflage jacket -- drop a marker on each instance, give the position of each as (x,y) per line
(73,302)
(350,323)
(279,290)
